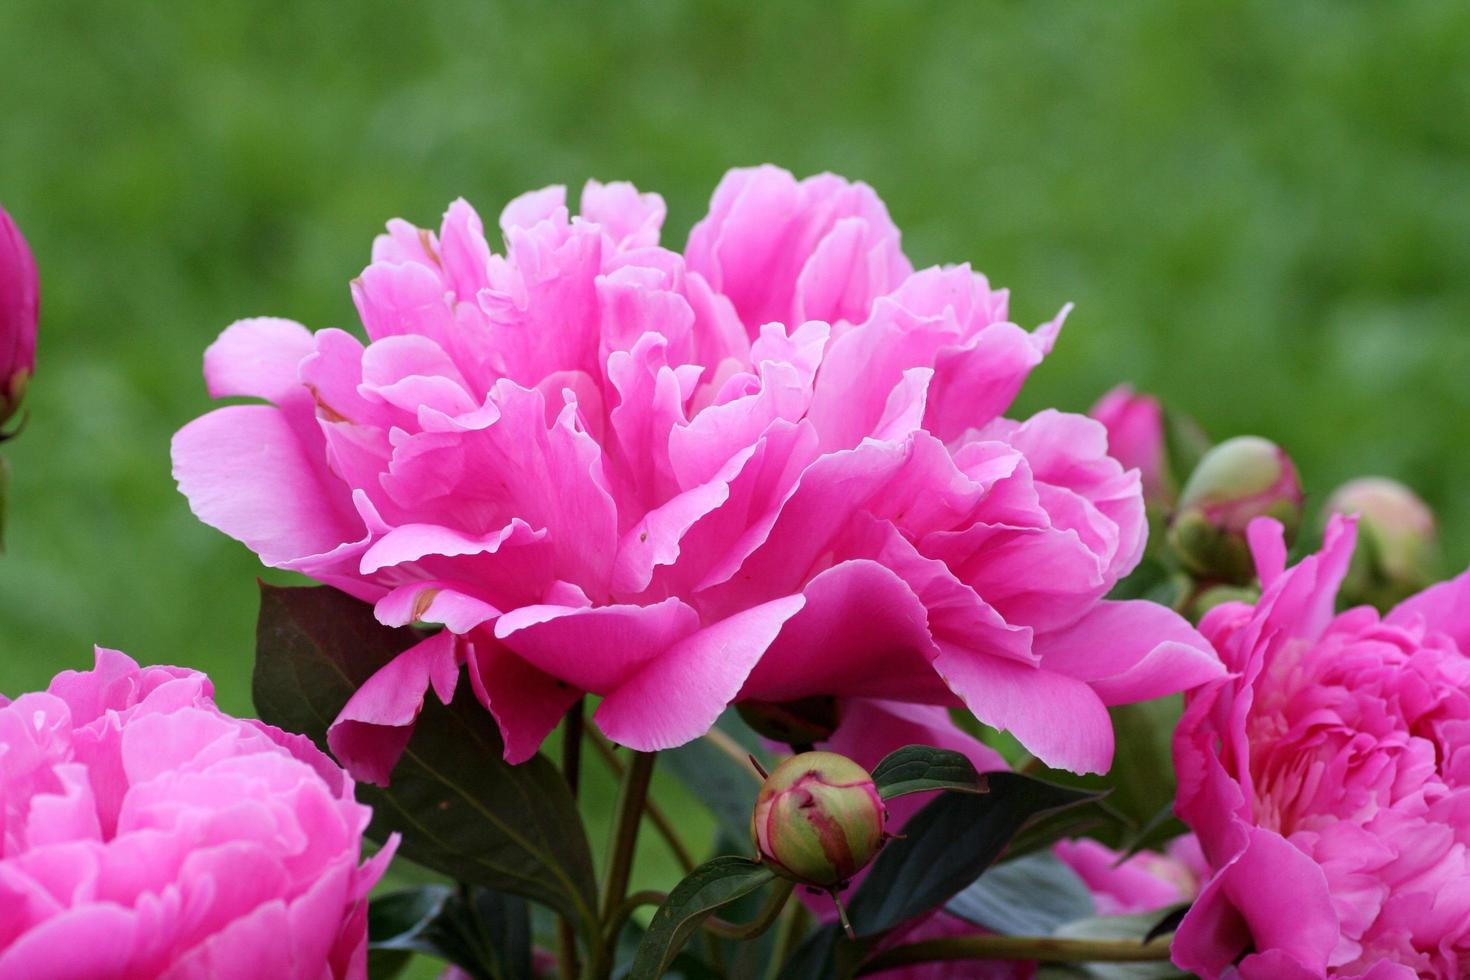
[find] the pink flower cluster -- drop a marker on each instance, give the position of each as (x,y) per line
(772,467)
(1328,779)
(143,833)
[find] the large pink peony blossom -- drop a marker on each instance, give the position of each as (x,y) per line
(773,469)
(146,834)
(1328,779)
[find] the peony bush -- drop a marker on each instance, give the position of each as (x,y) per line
(760,511)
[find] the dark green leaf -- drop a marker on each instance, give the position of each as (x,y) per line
(313,648)
(917,768)
(705,889)
(460,808)
(1167,923)
(948,844)
(1030,896)
(815,958)
(486,933)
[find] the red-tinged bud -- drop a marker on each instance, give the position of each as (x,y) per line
(1237,481)
(818,819)
(20,293)
(1398,541)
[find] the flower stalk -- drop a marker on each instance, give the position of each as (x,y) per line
(1044,949)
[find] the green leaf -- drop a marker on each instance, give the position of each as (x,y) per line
(948,844)
(462,810)
(917,768)
(1030,896)
(484,932)
(725,785)
(815,958)
(706,888)
(314,647)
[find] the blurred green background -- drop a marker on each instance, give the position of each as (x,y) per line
(1262,211)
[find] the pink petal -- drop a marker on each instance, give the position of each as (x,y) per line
(258,358)
(1271,897)
(862,633)
(1131,651)
(246,472)
(631,219)
(374,727)
(1057,718)
(596,649)
(92,941)
(527,703)
(1444,607)
(433,602)
(678,696)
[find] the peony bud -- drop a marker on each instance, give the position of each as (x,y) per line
(19,306)
(796,723)
(1398,541)
(1135,425)
(818,819)
(1237,481)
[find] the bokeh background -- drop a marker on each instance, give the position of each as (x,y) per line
(1262,211)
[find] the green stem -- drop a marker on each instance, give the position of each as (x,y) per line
(571,768)
(1042,948)
(656,815)
(763,920)
(571,746)
(632,795)
(793,930)
(625,911)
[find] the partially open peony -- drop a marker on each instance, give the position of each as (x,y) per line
(772,469)
(146,834)
(1328,779)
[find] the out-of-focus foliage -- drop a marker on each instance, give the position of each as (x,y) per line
(1260,209)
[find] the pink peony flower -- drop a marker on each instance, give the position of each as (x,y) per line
(146,834)
(1328,779)
(604,470)
(1135,425)
(1145,882)
(20,295)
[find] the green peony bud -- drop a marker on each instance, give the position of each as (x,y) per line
(818,819)
(1398,541)
(1236,482)
(796,723)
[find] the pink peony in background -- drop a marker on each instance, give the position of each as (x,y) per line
(1135,424)
(774,467)
(1328,779)
(145,834)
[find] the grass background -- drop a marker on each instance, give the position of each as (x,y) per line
(1262,211)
